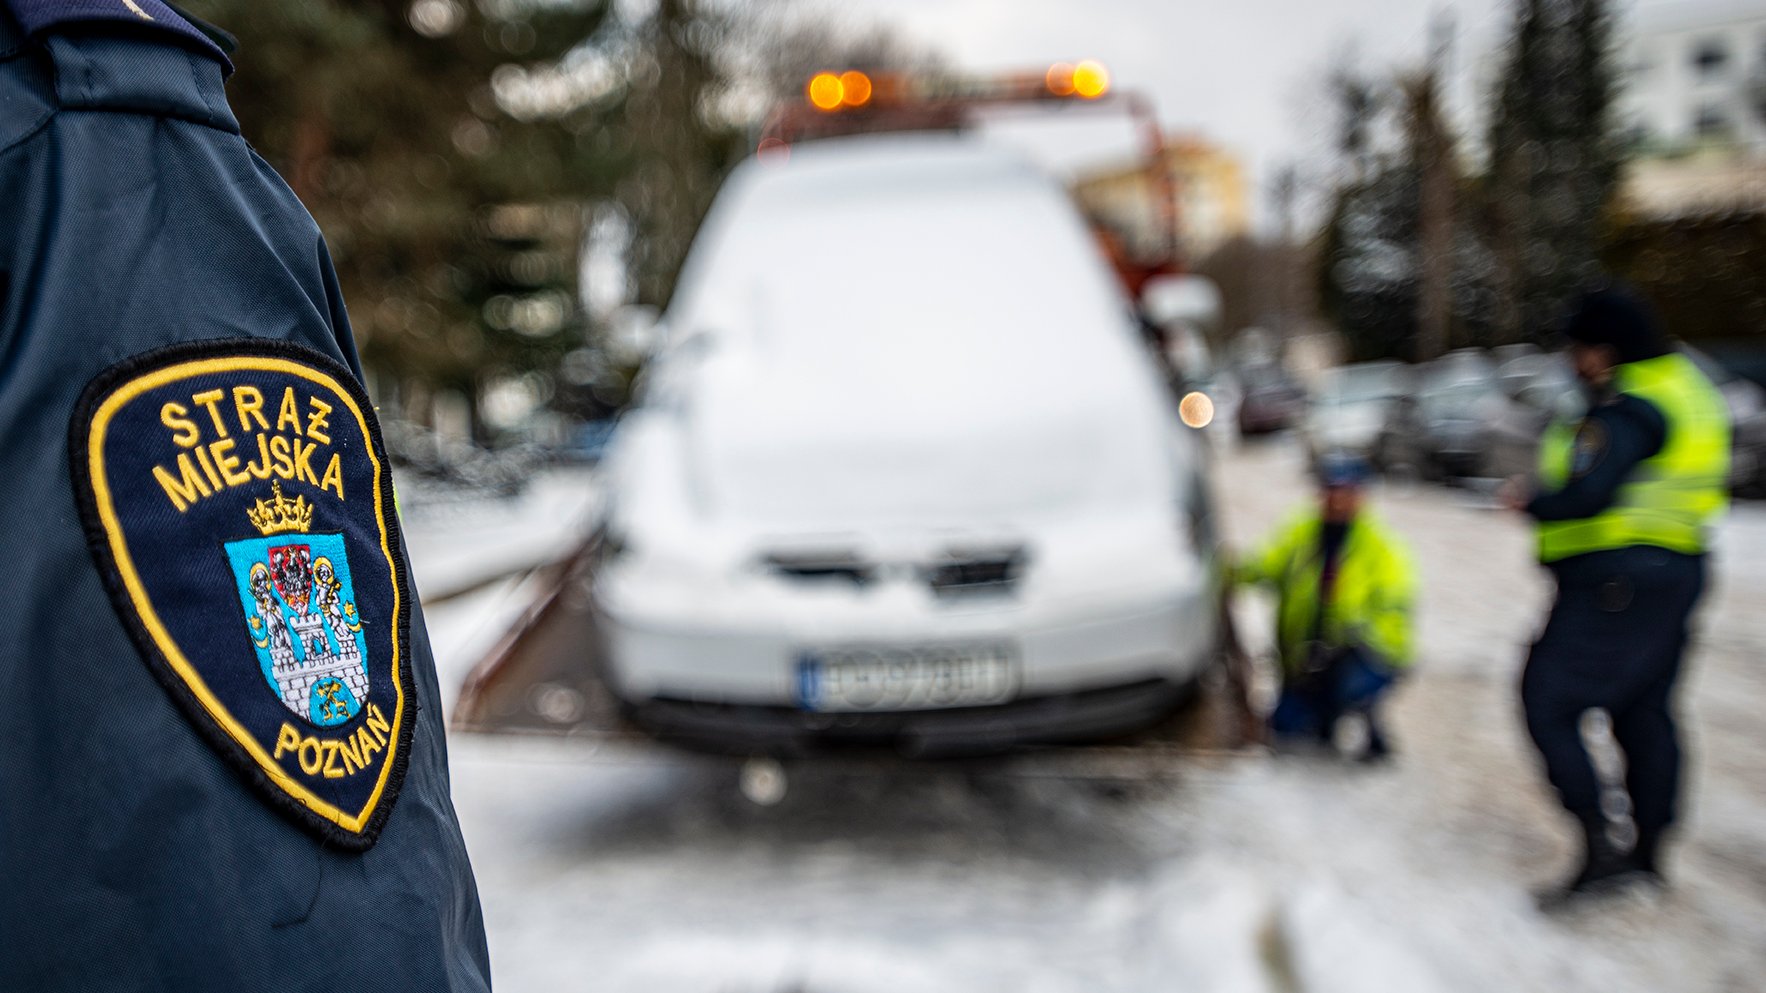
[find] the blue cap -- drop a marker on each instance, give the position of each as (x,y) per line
(1343,469)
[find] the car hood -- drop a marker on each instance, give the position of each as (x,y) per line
(783,448)
(830,367)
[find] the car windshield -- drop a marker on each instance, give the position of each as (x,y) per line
(1361,384)
(1457,397)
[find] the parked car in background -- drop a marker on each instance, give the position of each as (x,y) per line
(1225,396)
(1747,420)
(1437,431)
(1503,355)
(928,494)
(455,466)
(1351,408)
(1532,391)
(1191,366)
(1269,399)
(1535,390)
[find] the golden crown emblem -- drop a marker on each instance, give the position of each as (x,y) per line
(281,514)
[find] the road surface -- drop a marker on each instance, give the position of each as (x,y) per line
(643,869)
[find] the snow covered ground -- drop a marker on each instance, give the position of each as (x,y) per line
(644,869)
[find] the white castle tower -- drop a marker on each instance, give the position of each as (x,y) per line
(295,678)
(327,649)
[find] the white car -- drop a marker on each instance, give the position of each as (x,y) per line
(902,472)
(1351,407)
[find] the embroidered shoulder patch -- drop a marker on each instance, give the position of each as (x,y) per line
(239,504)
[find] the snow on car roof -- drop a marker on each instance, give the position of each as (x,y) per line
(883,311)
(888,163)
(885,239)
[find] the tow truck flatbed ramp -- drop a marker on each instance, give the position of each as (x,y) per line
(544,678)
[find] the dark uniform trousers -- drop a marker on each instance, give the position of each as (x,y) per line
(1614,641)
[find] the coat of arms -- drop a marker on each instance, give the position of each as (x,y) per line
(300,670)
(300,612)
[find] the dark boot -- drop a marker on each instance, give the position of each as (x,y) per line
(1646,855)
(1603,869)
(1378,748)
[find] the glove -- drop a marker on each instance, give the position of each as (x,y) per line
(1321,657)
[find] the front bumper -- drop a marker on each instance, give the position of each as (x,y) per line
(1460,462)
(1087,715)
(1084,669)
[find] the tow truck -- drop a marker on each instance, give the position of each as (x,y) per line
(549,673)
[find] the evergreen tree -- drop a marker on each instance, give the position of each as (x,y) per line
(419,137)
(1554,158)
(1429,148)
(1373,268)
(681,146)
(1368,271)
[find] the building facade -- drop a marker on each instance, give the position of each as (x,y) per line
(1695,79)
(1213,203)
(1693,108)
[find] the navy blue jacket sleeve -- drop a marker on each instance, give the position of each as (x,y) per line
(137,224)
(1614,438)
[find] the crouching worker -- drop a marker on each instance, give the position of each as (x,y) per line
(1344,585)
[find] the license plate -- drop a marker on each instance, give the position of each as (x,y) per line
(892,678)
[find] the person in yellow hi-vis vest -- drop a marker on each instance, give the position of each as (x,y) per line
(1623,504)
(1344,586)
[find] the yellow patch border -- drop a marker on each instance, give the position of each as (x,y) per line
(125,566)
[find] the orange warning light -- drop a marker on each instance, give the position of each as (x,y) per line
(826,91)
(855,88)
(1060,79)
(1090,79)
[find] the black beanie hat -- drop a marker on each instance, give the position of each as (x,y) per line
(1613,315)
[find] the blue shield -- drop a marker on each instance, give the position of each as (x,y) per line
(300,614)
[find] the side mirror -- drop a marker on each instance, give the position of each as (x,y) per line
(635,333)
(1171,300)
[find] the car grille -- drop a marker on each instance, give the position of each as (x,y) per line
(819,566)
(953,572)
(961,572)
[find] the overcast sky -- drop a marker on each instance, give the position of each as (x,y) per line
(1244,73)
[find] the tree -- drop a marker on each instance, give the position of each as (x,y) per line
(1430,150)
(1357,100)
(783,53)
(1554,158)
(681,145)
(455,153)
(1257,283)
(1405,265)
(1371,269)
(1368,271)
(1706,274)
(417,136)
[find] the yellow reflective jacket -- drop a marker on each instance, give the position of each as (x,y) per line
(1373,596)
(1674,497)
